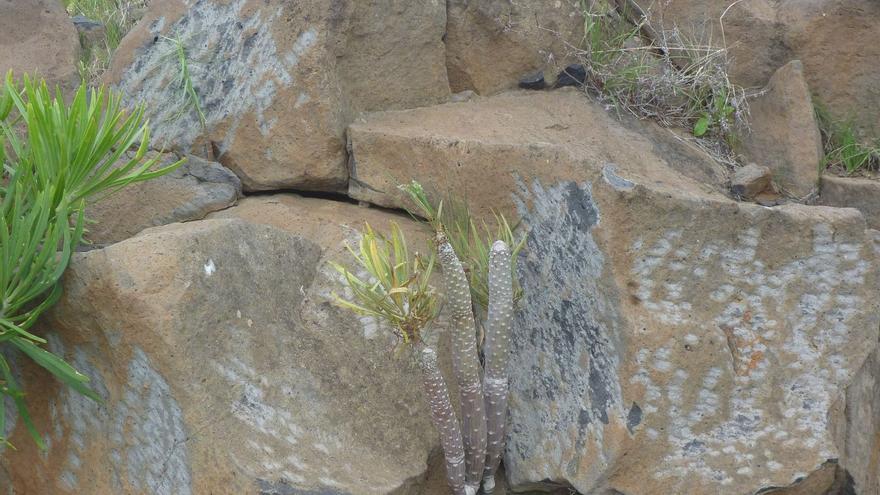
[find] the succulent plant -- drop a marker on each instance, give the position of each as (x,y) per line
(480,278)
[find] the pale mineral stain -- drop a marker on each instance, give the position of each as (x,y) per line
(755,324)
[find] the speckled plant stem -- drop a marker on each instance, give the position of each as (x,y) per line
(465,362)
(496,352)
(444,418)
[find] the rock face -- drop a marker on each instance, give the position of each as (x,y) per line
(783,133)
(860,454)
(535,35)
(228,371)
(670,340)
(763,35)
(279,81)
(190,192)
(853,192)
(750,180)
(38,38)
(550,134)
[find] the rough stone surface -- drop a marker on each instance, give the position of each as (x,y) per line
(190,192)
(853,192)
(224,369)
(860,433)
(92,34)
(279,81)
(763,35)
(549,134)
(38,38)
(490,44)
(670,340)
(783,134)
(750,180)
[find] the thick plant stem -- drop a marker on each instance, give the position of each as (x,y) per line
(444,418)
(465,363)
(496,353)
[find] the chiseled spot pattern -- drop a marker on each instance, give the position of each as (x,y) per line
(144,427)
(793,318)
(282,448)
(234,64)
(565,349)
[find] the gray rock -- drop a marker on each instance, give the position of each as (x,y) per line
(190,192)
(92,34)
(280,84)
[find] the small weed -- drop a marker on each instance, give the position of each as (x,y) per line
(842,147)
(184,82)
(117,17)
(661,74)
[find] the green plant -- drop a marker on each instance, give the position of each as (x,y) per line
(396,287)
(471,243)
(65,156)
(473,448)
(484,284)
(184,82)
(666,75)
(842,146)
(117,17)
(717,113)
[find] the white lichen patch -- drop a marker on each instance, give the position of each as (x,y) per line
(144,428)
(275,432)
(235,65)
(781,333)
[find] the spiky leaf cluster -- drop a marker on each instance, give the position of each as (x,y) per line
(471,239)
(55,157)
(396,285)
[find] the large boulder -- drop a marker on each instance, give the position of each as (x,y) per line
(224,368)
(828,36)
(491,44)
(187,193)
(670,339)
(38,38)
(550,134)
(278,81)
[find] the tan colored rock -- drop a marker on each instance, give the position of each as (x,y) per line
(783,133)
(491,44)
(190,192)
(38,38)
(550,135)
(279,81)
(750,180)
(841,66)
(225,368)
(670,339)
(853,192)
(858,430)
